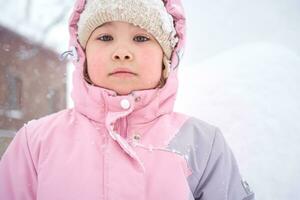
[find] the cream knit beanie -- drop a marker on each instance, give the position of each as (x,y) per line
(150,15)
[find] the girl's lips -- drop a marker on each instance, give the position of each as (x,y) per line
(122,72)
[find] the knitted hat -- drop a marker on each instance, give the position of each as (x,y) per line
(150,15)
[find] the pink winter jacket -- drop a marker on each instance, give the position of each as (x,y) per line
(111,147)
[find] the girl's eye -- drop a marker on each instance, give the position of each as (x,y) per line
(105,38)
(141,38)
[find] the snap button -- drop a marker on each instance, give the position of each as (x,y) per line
(136,137)
(125,104)
(137,99)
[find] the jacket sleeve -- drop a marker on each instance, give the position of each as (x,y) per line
(18,177)
(221,179)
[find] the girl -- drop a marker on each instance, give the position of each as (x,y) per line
(122,139)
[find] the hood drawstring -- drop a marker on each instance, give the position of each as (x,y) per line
(179,55)
(72,52)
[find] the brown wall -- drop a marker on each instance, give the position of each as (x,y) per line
(32,82)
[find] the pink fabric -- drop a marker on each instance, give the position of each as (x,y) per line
(79,154)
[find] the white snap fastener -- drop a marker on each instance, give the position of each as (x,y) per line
(125,104)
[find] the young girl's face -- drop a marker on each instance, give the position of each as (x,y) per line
(123,57)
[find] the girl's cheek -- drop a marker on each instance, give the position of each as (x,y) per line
(97,59)
(151,54)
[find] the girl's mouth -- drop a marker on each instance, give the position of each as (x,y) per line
(122,72)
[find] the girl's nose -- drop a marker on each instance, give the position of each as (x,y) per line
(122,55)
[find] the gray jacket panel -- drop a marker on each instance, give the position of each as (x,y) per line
(215,174)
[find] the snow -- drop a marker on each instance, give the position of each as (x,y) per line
(252,93)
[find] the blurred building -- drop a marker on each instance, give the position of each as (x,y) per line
(32,83)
